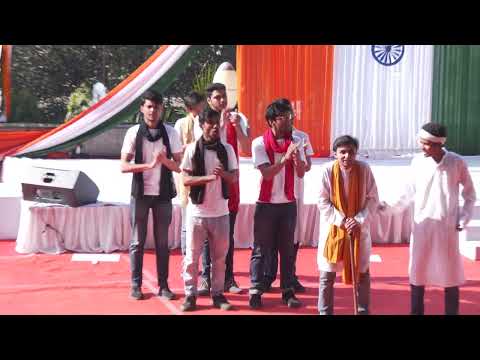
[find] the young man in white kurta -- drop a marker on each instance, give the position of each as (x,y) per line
(433,186)
(329,215)
(208,219)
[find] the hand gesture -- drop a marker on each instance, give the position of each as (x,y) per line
(219,171)
(234,119)
(211,178)
(158,158)
(292,149)
(350,225)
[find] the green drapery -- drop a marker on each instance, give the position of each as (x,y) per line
(456,96)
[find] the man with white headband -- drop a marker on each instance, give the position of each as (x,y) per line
(433,186)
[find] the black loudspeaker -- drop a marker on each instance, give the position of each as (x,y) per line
(65,187)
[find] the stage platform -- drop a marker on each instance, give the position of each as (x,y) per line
(42,284)
(105,227)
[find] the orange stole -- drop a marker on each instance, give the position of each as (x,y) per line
(337,247)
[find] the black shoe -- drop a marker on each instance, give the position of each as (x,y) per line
(166,293)
(298,288)
(220,302)
(189,304)
(290,300)
(136,294)
(232,287)
(255,301)
(204,288)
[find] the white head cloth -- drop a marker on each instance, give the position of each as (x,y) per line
(423,134)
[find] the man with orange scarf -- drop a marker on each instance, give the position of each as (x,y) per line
(348,194)
(276,154)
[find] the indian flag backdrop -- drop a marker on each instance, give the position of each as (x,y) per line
(456,96)
(301,73)
(380,95)
(380,102)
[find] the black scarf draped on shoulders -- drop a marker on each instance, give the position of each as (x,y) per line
(167,186)
(197,193)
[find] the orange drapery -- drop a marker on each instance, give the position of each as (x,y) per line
(301,73)
(6,61)
(12,139)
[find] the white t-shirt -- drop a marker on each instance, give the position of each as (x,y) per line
(299,184)
(151,178)
(214,205)
(198,132)
(259,157)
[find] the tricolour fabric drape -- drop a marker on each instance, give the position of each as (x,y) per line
(157,73)
(456,96)
(6,70)
(300,73)
(12,139)
(382,106)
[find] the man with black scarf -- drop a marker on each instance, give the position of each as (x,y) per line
(209,167)
(157,151)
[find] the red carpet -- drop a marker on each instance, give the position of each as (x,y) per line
(53,284)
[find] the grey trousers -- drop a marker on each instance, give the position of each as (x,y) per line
(216,230)
(326,293)
(452,296)
(162,217)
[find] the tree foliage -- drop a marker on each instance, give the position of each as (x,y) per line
(50,74)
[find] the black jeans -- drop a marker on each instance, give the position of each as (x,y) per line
(271,265)
(206,261)
(452,295)
(162,217)
(273,228)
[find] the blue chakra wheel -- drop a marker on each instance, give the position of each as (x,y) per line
(388,55)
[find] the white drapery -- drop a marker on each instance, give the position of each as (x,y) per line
(382,106)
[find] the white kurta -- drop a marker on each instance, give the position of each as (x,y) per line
(435,257)
(329,215)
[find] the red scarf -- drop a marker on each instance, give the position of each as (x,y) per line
(234,189)
(271,146)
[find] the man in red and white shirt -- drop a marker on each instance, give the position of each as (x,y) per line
(278,157)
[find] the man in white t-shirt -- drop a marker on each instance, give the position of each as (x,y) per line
(210,168)
(278,157)
(157,151)
(271,261)
(234,131)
